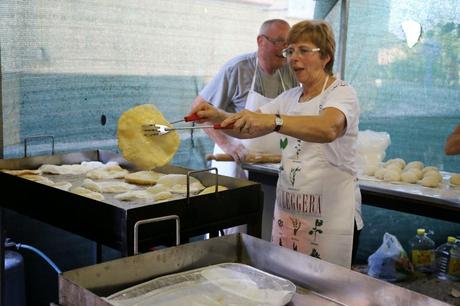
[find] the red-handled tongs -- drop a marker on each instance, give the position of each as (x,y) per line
(160,129)
(192,117)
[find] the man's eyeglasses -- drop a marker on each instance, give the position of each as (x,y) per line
(302,51)
(276,42)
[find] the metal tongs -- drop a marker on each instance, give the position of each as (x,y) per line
(160,129)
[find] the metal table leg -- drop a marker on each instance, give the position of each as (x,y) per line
(2,259)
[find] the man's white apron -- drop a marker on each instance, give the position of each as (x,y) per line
(266,144)
(315,201)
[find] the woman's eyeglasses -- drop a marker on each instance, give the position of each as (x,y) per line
(302,51)
(275,42)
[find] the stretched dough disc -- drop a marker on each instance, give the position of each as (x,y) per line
(146,152)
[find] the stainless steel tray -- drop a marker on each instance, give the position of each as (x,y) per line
(221,284)
(318,282)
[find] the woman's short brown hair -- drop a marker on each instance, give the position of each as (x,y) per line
(319,33)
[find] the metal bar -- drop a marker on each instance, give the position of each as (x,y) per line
(342,48)
(153,220)
(26,139)
(1,109)
(199,171)
(2,258)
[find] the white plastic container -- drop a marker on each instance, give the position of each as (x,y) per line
(448,260)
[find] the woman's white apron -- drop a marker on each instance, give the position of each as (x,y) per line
(315,201)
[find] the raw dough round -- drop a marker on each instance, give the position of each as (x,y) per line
(380,173)
(409,177)
(415,164)
(391,176)
(429,181)
(430,168)
(398,161)
(394,167)
(455,179)
(146,152)
(433,173)
(418,173)
(370,170)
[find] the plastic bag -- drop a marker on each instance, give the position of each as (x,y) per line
(371,148)
(390,262)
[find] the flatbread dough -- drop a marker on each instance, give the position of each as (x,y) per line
(144,195)
(21,172)
(146,152)
(108,186)
(135,195)
(157,188)
(111,170)
(38,178)
(147,177)
(63,185)
(88,193)
(177,183)
(74,169)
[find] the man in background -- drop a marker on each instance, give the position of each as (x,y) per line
(249,81)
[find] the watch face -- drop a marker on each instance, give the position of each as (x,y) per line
(278,123)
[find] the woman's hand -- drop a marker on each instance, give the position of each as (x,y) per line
(208,113)
(250,124)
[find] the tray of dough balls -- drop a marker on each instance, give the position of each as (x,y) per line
(413,177)
(121,186)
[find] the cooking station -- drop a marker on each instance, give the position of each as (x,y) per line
(112,222)
(318,282)
(441,203)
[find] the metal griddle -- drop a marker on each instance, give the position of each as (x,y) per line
(318,282)
(111,222)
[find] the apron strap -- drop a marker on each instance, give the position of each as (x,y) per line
(255,73)
(281,79)
(279,74)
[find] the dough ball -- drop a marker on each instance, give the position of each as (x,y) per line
(433,173)
(429,168)
(380,173)
(409,177)
(429,181)
(370,170)
(415,164)
(394,167)
(418,173)
(455,179)
(396,161)
(391,176)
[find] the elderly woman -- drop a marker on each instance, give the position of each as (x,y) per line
(317,197)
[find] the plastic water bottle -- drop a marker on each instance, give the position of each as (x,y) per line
(448,260)
(422,252)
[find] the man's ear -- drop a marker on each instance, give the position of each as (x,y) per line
(259,40)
